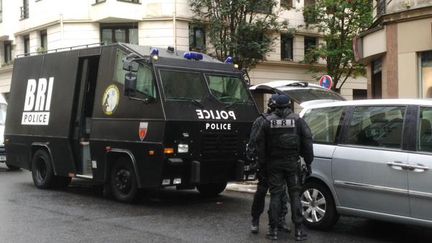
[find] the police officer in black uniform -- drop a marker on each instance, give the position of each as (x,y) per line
(262,187)
(281,139)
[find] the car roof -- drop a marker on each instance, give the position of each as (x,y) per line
(288,84)
(427,102)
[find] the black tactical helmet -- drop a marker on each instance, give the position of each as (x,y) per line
(282,101)
(272,101)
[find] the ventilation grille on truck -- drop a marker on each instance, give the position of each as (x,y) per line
(214,144)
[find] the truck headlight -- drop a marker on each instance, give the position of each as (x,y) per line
(183,148)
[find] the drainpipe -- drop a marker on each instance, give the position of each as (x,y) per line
(175,24)
(61,27)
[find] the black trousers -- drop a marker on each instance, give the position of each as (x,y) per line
(258,203)
(278,178)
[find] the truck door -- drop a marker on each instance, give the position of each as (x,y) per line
(87,76)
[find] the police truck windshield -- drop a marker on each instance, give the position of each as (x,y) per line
(180,85)
(228,89)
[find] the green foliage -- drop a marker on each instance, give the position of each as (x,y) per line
(340,21)
(241,29)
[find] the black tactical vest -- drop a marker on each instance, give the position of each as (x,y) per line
(282,139)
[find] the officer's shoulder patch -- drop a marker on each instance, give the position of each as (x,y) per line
(282,123)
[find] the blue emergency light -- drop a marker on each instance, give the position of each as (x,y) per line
(154,52)
(229,60)
(193,56)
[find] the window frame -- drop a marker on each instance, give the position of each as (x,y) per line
(7,54)
(405,133)
(141,65)
(306,46)
(417,127)
(286,4)
(43,39)
(283,51)
(26,45)
(208,75)
(24,10)
(113,27)
(206,91)
(1,11)
(339,131)
(193,41)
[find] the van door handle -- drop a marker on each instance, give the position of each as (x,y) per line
(419,168)
(397,165)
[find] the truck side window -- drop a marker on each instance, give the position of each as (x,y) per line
(378,126)
(424,130)
(119,73)
(145,79)
(325,123)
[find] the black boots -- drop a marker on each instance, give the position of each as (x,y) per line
(255,226)
(299,233)
(272,234)
(283,226)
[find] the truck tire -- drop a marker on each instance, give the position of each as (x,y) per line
(211,189)
(318,206)
(123,181)
(42,171)
(12,167)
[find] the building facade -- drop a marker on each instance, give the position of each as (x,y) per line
(35,26)
(397,49)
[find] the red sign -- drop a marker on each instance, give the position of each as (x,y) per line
(326,82)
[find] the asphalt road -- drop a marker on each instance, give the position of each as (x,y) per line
(81,214)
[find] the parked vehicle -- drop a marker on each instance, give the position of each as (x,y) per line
(300,92)
(129,117)
(372,159)
(3,109)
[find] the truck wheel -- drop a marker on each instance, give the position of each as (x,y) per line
(211,189)
(123,181)
(318,206)
(42,172)
(12,167)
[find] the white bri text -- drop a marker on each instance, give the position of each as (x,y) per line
(37,101)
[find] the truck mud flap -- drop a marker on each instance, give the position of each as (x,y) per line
(239,170)
(195,177)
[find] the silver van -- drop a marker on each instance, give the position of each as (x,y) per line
(373,158)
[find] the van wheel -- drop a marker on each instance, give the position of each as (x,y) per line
(12,167)
(123,181)
(42,172)
(318,206)
(211,189)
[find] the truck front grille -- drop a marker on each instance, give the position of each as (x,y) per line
(214,144)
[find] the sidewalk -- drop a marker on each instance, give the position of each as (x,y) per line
(247,186)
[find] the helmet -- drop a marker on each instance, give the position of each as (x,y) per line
(272,101)
(282,101)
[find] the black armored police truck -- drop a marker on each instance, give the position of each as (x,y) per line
(129,117)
